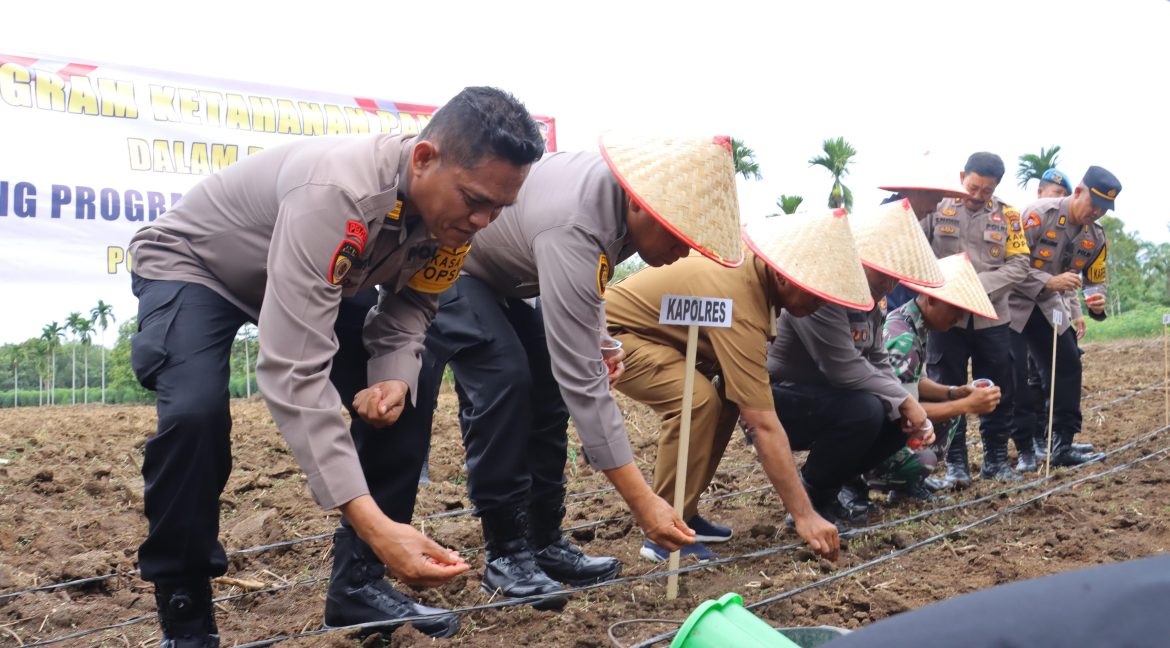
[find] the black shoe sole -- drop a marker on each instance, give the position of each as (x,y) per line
(551,602)
(582,582)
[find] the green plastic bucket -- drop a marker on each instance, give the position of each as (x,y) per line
(722,623)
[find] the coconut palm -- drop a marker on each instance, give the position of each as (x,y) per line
(745,160)
(14,353)
(1032,167)
(75,323)
(52,334)
(85,335)
(838,155)
(789,204)
(103,315)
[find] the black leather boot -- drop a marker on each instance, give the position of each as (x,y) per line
(1025,456)
(958,474)
(186,616)
(511,566)
(556,556)
(1064,453)
(995,461)
(359,593)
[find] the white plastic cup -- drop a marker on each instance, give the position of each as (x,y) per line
(982,383)
(610,346)
(1094,293)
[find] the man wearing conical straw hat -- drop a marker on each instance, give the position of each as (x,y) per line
(989,231)
(522,368)
(925,189)
(905,334)
(832,382)
(794,263)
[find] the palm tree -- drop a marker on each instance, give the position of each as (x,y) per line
(789,204)
(14,353)
(1033,166)
(75,322)
(85,334)
(103,316)
(838,155)
(745,160)
(52,334)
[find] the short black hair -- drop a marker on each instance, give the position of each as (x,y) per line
(988,165)
(483,121)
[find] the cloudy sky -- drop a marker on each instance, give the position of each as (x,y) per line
(895,78)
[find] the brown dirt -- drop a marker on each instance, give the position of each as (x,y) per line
(70,501)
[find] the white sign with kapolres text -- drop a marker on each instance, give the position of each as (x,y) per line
(681,310)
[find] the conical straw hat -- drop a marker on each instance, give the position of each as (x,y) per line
(924,173)
(891,241)
(962,288)
(815,252)
(687,183)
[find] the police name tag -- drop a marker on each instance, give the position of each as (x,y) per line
(695,311)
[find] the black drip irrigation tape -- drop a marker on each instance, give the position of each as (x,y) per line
(923,543)
(468,511)
(657,575)
(77,583)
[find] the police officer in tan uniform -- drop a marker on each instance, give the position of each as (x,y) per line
(1068,250)
(284,238)
(523,369)
(988,230)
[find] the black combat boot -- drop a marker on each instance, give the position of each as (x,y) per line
(827,504)
(1065,453)
(186,615)
(958,474)
(511,567)
(359,593)
(995,461)
(1025,456)
(556,556)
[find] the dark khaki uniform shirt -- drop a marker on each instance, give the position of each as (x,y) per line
(284,235)
(1057,246)
(560,240)
(994,240)
(840,347)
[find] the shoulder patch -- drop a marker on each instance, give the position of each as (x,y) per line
(441,271)
(1032,220)
(345,258)
(602,274)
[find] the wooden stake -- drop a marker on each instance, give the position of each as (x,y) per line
(684,446)
(1057,318)
(1166,365)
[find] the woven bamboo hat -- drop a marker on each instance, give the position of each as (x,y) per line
(962,288)
(686,183)
(891,241)
(815,252)
(925,173)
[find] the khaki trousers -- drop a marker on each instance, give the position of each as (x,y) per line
(655,375)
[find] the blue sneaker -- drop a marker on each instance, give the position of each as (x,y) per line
(655,553)
(708,531)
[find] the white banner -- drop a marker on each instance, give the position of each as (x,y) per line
(92,152)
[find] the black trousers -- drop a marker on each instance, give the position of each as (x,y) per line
(513,419)
(182,351)
(989,351)
(845,432)
(1066,409)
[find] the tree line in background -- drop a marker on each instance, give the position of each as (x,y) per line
(63,366)
(45,370)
